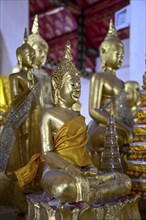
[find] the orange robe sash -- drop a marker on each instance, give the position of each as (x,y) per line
(70,142)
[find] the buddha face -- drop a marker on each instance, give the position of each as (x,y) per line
(41,54)
(71,88)
(112,57)
(27,57)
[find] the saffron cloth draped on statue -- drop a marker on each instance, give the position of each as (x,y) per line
(70,142)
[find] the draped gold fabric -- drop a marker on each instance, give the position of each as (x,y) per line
(70,142)
(27,173)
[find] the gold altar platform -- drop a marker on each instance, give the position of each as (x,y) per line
(125,208)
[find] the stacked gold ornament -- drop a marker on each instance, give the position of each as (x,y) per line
(110,159)
(137,158)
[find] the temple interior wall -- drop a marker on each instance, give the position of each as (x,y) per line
(14,17)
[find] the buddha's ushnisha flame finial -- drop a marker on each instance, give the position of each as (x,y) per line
(34,37)
(67,52)
(35,26)
(25,36)
(112,30)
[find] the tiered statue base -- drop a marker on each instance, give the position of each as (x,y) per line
(40,207)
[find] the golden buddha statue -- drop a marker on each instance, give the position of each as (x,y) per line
(20,136)
(69,174)
(5,99)
(136,161)
(21,130)
(107,89)
(41,49)
(132,90)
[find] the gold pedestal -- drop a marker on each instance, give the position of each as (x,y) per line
(125,208)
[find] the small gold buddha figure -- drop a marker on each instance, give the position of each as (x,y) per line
(41,49)
(132,90)
(107,89)
(69,173)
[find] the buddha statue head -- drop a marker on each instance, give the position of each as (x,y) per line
(65,80)
(111,50)
(25,54)
(39,44)
(132,90)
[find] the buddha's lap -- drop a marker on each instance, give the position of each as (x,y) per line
(97,134)
(54,178)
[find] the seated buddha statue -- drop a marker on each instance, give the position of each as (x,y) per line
(69,173)
(107,91)
(132,90)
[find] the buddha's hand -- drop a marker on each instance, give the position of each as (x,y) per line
(73,171)
(27,173)
(90,170)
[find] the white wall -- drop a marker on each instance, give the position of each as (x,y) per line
(137,39)
(13,20)
(85,84)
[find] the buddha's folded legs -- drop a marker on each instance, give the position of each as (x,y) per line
(113,189)
(58,184)
(100,188)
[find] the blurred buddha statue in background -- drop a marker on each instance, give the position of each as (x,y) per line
(132,90)
(69,174)
(41,49)
(5,99)
(20,137)
(107,90)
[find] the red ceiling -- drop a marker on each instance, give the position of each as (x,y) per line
(60,22)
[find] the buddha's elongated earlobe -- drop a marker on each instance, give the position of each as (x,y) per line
(19,57)
(104,65)
(56,96)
